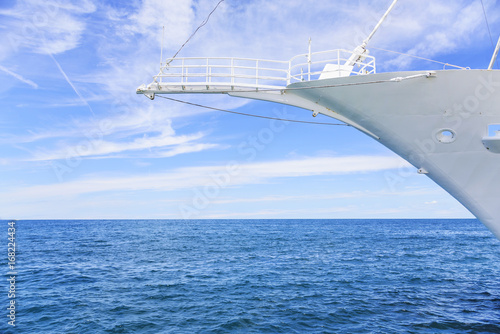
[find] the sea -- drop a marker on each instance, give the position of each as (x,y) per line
(251,276)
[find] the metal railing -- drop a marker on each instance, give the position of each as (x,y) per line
(256,73)
(315,63)
(244,72)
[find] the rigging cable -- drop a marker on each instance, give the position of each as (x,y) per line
(413,56)
(249,115)
(488,25)
(194,33)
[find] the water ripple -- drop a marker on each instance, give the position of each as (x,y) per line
(257,276)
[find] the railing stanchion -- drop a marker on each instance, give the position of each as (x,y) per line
(257,73)
(338,61)
(207,79)
(232,71)
(309,62)
(182,71)
(289,74)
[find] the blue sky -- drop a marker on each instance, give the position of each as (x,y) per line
(77,142)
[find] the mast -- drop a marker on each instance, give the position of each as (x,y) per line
(365,42)
(495,54)
(161,50)
(361,49)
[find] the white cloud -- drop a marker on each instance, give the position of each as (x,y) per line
(182,149)
(335,196)
(434,29)
(92,148)
(45,26)
(189,177)
(176,16)
(135,132)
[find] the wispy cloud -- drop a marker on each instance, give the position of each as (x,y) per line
(436,29)
(18,77)
(333,196)
(185,178)
(140,130)
(100,147)
(47,27)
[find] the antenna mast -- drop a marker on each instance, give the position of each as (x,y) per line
(495,54)
(365,42)
(162,38)
(360,50)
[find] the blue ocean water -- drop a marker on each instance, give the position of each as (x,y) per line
(255,276)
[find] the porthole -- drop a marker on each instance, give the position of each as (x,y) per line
(446,136)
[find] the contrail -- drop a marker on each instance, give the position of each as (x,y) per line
(18,77)
(71,84)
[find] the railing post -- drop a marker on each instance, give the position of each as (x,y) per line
(338,61)
(232,71)
(289,74)
(182,71)
(309,62)
(207,79)
(257,73)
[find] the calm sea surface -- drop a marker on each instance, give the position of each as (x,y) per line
(254,276)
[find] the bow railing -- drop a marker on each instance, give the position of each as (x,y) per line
(242,73)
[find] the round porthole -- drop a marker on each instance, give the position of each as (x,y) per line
(446,136)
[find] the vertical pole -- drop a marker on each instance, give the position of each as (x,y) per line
(309,62)
(257,73)
(338,62)
(183,78)
(289,74)
(232,71)
(207,78)
(360,50)
(161,51)
(365,42)
(495,54)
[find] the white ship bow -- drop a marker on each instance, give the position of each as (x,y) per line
(442,122)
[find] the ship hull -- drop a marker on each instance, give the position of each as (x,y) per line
(440,123)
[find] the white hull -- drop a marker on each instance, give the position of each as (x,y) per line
(410,116)
(438,121)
